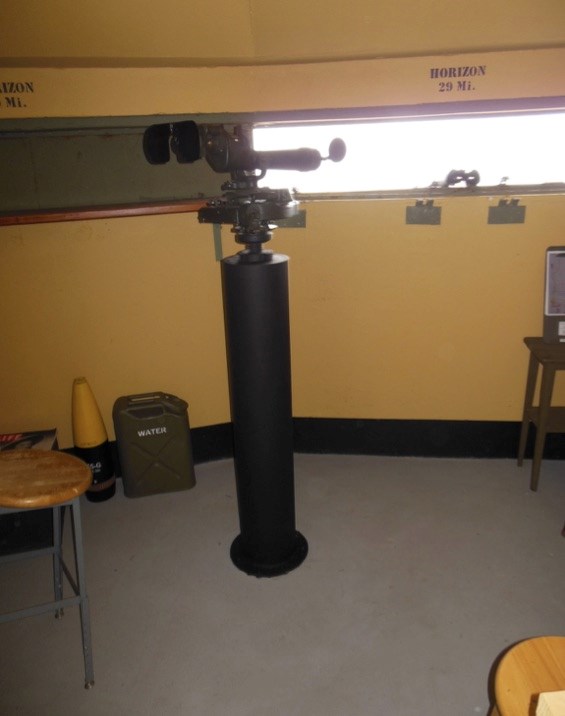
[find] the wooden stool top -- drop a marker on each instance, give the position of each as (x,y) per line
(527,670)
(30,479)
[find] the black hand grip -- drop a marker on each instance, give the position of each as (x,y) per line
(302,160)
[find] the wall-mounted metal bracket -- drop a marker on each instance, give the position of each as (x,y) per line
(424,212)
(507,212)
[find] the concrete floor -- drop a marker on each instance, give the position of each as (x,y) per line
(420,573)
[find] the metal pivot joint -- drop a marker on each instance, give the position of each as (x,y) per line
(252,212)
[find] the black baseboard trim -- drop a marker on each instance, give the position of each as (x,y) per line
(416,438)
(212,442)
(407,438)
(400,438)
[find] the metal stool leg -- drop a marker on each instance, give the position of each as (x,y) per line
(63,479)
(57,557)
(83,603)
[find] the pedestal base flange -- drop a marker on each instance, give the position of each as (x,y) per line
(269,569)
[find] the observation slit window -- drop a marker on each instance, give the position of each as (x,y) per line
(416,153)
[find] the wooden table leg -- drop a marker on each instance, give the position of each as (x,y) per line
(546,390)
(528,402)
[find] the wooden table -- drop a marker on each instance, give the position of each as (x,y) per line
(528,669)
(547,419)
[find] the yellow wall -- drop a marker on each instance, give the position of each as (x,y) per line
(388,320)
(132,304)
(106,32)
(422,322)
(118,91)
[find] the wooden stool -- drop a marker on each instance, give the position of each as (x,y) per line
(36,479)
(528,669)
(551,357)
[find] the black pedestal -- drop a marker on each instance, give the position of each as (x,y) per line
(255,291)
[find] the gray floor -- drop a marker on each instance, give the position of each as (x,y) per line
(420,573)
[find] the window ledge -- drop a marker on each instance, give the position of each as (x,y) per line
(502,190)
(43,216)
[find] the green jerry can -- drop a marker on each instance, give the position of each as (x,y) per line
(154,447)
